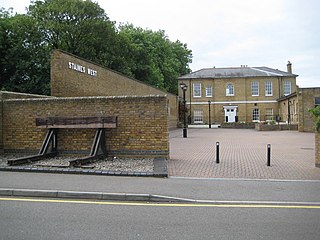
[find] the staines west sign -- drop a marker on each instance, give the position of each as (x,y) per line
(82,69)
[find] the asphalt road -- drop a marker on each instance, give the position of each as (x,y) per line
(202,189)
(71,220)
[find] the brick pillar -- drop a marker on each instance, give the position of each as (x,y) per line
(317,148)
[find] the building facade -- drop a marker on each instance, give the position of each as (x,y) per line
(241,94)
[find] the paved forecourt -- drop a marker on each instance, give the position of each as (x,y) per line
(243,154)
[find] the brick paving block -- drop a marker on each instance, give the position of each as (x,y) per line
(243,154)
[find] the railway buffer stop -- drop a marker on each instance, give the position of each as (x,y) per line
(50,144)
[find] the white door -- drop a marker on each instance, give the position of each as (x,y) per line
(230,113)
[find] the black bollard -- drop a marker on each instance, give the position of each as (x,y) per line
(217,152)
(268,155)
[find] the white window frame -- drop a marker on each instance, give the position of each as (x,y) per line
(268,88)
(269,114)
(286,87)
(255,88)
(255,115)
(230,90)
(197,90)
(208,91)
(197,116)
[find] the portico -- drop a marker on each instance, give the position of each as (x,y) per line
(230,113)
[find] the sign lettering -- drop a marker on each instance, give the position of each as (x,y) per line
(82,69)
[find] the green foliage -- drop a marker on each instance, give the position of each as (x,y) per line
(272,122)
(153,58)
(79,27)
(316,113)
(84,29)
(24,65)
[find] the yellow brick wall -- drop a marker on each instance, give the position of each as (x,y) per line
(142,124)
(12,95)
(66,82)
(317,149)
(306,99)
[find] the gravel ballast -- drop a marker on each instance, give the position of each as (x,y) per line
(111,164)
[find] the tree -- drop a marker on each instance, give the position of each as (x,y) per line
(84,29)
(4,44)
(316,113)
(78,27)
(24,65)
(153,58)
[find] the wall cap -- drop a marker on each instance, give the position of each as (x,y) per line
(58,99)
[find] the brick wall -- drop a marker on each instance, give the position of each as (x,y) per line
(275,127)
(317,149)
(306,99)
(142,124)
(12,95)
(72,76)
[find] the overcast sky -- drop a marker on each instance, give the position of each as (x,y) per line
(229,33)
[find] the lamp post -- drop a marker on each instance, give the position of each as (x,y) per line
(209,102)
(184,87)
(289,112)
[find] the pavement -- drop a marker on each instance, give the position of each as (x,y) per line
(243,154)
(194,176)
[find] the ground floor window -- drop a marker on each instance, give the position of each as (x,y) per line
(198,116)
(269,114)
(255,115)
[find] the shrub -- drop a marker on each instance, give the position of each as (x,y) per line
(316,113)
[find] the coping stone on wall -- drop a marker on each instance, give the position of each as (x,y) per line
(58,99)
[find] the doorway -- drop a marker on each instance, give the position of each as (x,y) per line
(230,113)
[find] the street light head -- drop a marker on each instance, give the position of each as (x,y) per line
(183,86)
(209,101)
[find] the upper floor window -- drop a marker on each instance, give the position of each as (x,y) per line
(230,90)
(255,88)
(208,91)
(268,86)
(197,90)
(286,87)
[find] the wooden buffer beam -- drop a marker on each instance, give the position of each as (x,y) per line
(98,148)
(77,122)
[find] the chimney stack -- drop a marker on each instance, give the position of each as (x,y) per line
(289,67)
